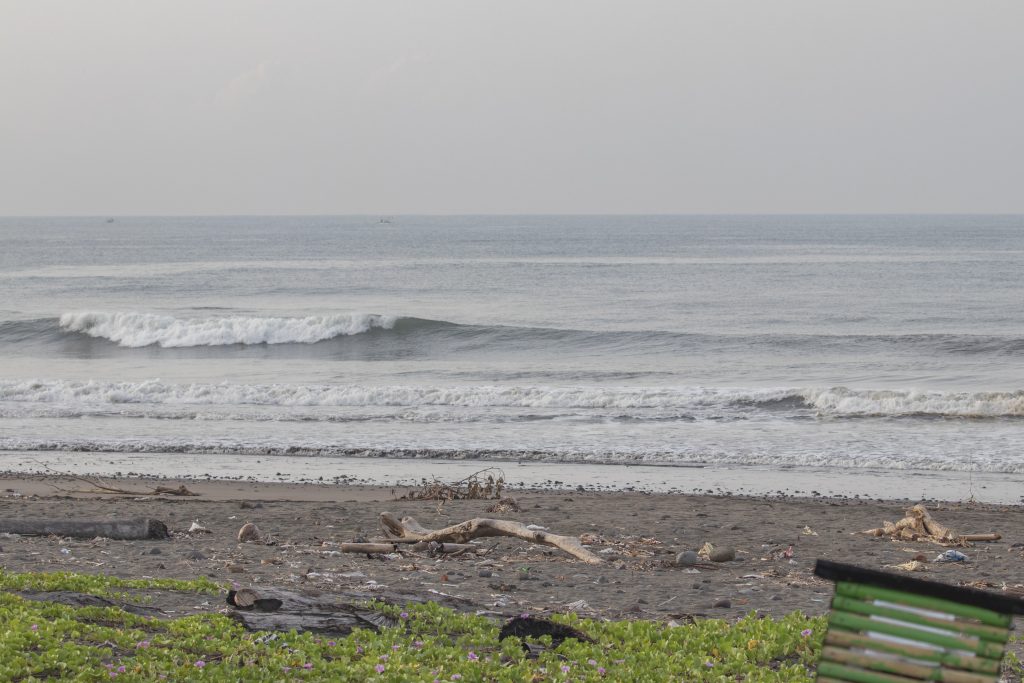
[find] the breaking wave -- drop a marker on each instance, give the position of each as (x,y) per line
(620,402)
(132,329)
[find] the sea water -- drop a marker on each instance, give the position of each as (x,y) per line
(879,342)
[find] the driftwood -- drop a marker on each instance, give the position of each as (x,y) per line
(919,525)
(118,529)
(432,548)
(99,488)
(85,600)
(284,610)
(408,530)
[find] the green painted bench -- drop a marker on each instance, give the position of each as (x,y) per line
(889,628)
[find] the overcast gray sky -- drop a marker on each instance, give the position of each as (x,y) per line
(442,106)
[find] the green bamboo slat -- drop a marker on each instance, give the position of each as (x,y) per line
(853,622)
(950,659)
(864,592)
(847,673)
(902,668)
(989,633)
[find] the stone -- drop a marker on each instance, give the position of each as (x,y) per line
(249,532)
(485,574)
(724,603)
(687,558)
(194,555)
(723,554)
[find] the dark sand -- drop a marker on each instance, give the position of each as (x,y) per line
(640,535)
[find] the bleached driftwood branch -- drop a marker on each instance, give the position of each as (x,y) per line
(408,530)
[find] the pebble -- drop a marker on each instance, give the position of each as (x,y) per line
(195,555)
(485,574)
(687,558)
(724,602)
(155,551)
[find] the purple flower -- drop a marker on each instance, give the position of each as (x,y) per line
(472,657)
(379,668)
(359,649)
(709,664)
(35,627)
(592,662)
(331,643)
(806,632)
(417,644)
(113,674)
(565,668)
(142,644)
(307,665)
(200,664)
(404,615)
(396,647)
(600,670)
(121,669)
(456,677)
(383,658)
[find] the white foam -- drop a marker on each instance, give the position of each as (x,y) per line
(840,401)
(133,329)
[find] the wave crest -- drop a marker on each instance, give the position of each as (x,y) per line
(131,329)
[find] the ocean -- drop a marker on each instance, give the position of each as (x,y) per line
(882,343)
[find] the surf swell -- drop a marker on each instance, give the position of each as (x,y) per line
(619,402)
(132,329)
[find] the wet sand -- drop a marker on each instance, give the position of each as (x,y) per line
(638,534)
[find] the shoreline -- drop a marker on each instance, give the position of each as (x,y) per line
(638,534)
(741,480)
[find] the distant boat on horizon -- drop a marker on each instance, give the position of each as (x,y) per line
(384,221)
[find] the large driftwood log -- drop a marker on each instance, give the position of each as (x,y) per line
(336,614)
(118,529)
(408,530)
(85,600)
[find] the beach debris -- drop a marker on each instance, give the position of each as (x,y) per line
(912,566)
(919,525)
(197,528)
(720,554)
(473,487)
(247,598)
(503,506)
(577,606)
(808,531)
(952,556)
(687,558)
(408,530)
(126,529)
(99,487)
(249,533)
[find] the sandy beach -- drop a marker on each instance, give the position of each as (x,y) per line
(638,534)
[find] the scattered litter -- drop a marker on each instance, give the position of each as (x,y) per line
(536,527)
(808,531)
(577,605)
(912,566)
(952,556)
(198,528)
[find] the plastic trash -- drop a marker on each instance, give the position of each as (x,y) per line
(952,556)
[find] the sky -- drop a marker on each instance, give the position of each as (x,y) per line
(120,107)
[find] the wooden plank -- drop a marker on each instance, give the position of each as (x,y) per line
(990,633)
(864,592)
(902,668)
(855,622)
(847,639)
(849,673)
